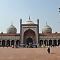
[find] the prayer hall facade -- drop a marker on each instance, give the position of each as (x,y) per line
(29,33)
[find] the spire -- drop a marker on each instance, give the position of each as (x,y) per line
(29,21)
(29,17)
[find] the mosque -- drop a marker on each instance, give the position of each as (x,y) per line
(29,33)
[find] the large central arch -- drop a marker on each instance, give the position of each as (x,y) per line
(29,36)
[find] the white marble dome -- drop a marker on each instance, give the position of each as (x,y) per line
(11,29)
(29,21)
(47,29)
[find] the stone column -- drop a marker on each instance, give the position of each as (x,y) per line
(57,42)
(43,42)
(5,42)
(15,43)
(52,42)
(1,42)
(10,42)
(48,42)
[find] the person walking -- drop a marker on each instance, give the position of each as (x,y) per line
(48,50)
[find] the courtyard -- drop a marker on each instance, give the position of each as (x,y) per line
(29,53)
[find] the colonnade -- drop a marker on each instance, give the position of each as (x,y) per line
(9,42)
(50,42)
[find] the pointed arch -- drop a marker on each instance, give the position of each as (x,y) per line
(29,34)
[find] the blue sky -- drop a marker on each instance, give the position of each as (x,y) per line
(46,10)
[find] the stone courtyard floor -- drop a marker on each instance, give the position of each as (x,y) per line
(29,53)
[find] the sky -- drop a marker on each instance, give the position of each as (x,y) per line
(45,10)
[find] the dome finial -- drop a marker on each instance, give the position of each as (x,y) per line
(29,21)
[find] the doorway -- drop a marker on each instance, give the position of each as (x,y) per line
(29,40)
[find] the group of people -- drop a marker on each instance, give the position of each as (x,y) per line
(16,46)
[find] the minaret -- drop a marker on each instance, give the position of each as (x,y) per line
(20,21)
(38,29)
(38,24)
(20,29)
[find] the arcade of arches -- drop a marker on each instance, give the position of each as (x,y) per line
(49,42)
(29,36)
(41,42)
(9,43)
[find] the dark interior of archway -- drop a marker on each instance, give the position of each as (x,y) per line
(50,42)
(12,42)
(8,42)
(41,42)
(3,43)
(29,33)
(59,42)
(17,42)
(46,42)
(29,40)
(54,42)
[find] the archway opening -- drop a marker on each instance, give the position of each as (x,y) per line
(8,42)
(41,42)
(3,42)
(54,42)
(59,42)
(46,42)
(29,40)
(50,42)
(17,42)
(12,42)
(0,43)
(29,36)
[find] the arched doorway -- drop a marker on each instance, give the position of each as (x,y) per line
(3,42)
(0,43)
(12,42)
(50,42)
(59,42)
(8,42)
(29,35)
(29,40)
(54,42)
(17,42)
(41,42)
(46,43)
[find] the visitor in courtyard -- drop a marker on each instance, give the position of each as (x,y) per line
(12,46)
(48,50)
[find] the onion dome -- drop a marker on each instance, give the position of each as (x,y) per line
(29,21)
(47,29)
(11,29)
